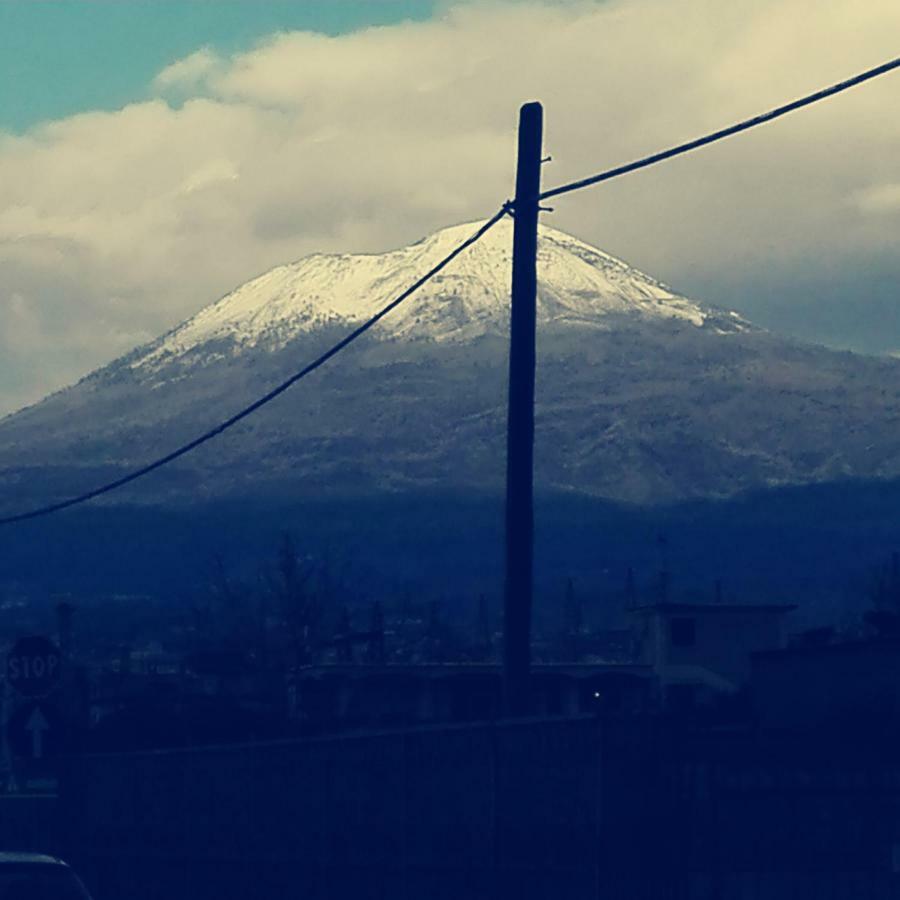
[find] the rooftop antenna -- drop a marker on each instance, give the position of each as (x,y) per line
(662,545)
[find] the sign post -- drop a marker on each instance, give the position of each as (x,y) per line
(32,729)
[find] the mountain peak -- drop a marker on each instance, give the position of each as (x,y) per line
(578,284)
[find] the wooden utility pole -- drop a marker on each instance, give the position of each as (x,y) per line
(520,420)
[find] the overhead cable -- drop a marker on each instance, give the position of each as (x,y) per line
(724,132)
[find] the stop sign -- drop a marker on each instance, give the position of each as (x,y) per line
(32,666)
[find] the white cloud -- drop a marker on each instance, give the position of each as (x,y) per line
(880,199)
(189,73)
(120,224)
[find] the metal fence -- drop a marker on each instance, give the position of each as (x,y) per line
(562,808)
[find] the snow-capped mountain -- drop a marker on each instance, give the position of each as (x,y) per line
(643,395)
(579,286)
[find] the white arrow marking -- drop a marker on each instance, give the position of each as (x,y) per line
(37,724)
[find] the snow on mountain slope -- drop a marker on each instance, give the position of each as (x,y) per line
(643,396)
(577,284)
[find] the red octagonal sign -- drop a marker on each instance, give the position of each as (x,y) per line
(32,666)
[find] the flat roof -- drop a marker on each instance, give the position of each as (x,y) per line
(575,670)
(889,643)
(715,607)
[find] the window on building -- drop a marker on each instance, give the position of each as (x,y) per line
(683,632)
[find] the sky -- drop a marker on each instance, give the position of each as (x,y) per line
(155,155)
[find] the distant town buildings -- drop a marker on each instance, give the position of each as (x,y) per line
(145,673)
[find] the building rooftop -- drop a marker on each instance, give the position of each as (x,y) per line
(889,643)
(437,670)
(714,607)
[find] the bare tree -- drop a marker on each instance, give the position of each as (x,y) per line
(300,591)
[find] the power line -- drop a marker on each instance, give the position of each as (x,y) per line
(723,133)
(266,398)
